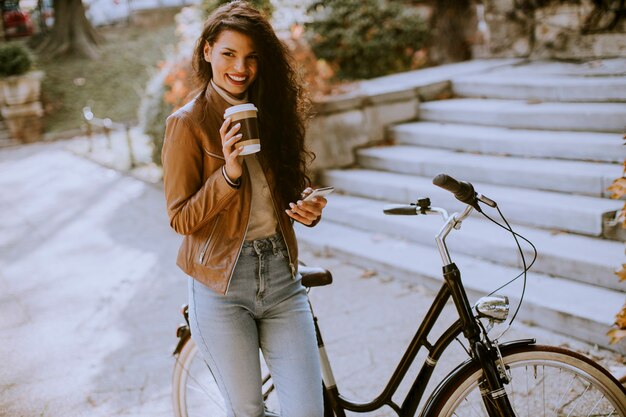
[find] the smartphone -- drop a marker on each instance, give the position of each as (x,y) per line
(319,192)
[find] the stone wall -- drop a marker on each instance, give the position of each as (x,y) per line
(555,29)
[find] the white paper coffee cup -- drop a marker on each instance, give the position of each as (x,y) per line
(246,114)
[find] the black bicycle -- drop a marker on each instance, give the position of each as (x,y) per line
(518,378)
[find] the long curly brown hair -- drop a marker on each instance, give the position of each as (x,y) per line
(276,92)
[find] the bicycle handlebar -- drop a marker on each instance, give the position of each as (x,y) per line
(402,209)
(462,190)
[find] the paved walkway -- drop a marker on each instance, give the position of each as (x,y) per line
(89,296)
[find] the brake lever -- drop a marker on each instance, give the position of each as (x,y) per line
(486,200)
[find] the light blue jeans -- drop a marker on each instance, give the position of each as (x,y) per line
(265,308)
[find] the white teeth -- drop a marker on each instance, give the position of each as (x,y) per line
(238,79)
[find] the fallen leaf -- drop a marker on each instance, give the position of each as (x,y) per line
(621,274)
(615,335)
(368,273)
(620,318)
(618,188)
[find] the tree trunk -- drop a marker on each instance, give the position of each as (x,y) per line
(2,22)
(453,26)
(72,33)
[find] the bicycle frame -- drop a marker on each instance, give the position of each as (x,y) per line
(481,349)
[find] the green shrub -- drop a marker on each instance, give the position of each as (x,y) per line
(363,39)
(15,59)
(156,129)
(264,6)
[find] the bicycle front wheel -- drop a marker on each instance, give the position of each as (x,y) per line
(195,392)
(545,381)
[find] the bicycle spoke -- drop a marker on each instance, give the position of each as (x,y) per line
(475,410)
(558,406)
(198,383)
(543,392)
(527,394)
(546,383)
(578,401)
(197,394)
(595,406)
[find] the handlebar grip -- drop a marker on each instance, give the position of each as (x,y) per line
(401,209)
(463,191)
(447,183)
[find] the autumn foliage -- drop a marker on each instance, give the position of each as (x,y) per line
(618,190)
(178,85)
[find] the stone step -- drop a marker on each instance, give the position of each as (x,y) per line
(560,305)
(589,260)
(546,88)
(590,146)
(519,114)
(571,213)
(553,175)
(606,67)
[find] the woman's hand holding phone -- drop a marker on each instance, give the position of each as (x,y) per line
(308,209)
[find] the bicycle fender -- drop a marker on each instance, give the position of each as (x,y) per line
(452,376)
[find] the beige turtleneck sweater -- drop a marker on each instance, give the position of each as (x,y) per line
(263,221)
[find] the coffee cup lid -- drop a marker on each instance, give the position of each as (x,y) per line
(240,107)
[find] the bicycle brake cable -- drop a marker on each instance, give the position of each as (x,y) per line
(508,228)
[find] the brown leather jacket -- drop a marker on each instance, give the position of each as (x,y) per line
(212,216)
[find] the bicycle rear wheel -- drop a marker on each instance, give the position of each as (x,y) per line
(195,392)
(545,381)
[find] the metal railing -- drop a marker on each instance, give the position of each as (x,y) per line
(106,126)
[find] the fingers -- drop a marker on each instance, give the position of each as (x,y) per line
(298,218)
(306,192)
(227,133)
(315,205)
(229,137)
(230,142)
(234,154)
(307,212)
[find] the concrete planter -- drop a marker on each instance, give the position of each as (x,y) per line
(21,89)
(21,107)
(24,121)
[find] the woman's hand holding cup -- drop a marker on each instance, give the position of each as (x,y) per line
(307,212)
(231,154)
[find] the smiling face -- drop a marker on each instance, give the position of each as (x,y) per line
(234,61)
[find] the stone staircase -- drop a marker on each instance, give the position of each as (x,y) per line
(542,139)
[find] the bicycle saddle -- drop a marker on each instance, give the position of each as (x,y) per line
(313,276)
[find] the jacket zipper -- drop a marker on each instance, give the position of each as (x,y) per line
(230,277)
(208,240)
(291,266)
(243,238)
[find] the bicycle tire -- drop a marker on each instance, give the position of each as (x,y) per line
(195,392)
(545,380)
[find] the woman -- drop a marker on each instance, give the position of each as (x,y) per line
(237,212)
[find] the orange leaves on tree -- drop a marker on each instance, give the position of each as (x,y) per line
(618,190)
(615,335)
(178,84)
(620,318)
(619,332)
(621,274)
